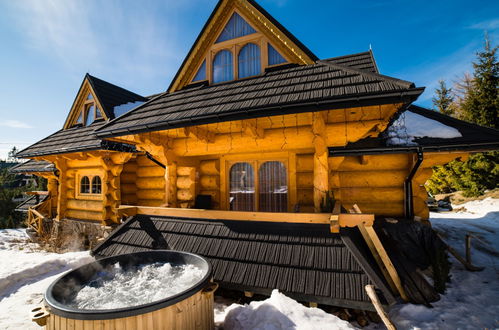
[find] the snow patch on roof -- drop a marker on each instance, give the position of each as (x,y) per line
(124,108)
(411,126)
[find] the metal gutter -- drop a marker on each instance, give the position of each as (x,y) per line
(408,195)
(477,147)
(154,160)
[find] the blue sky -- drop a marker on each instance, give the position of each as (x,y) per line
(48,46)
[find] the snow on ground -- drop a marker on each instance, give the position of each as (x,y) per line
(280,312)
(471,300)
(25,273)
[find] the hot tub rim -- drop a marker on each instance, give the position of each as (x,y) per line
(59,309)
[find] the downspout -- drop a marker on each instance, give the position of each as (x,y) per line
(155,161)
(408,196)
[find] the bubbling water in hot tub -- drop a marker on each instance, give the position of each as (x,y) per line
(115,287)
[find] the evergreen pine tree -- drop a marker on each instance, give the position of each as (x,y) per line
(443,99)
(478,101)
(481,103)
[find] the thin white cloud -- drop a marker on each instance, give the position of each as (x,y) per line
(102,36)
(14,124)
(488,25)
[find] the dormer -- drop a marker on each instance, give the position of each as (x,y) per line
(240,40)
(239,52)
(97,100)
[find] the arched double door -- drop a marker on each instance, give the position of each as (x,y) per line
(258,186)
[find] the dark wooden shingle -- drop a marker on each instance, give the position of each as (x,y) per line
(304,261)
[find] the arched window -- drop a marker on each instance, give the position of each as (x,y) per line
(85,185)
(222,67)
(242,187)
(96,185)
(273,187)
(249,61)
(90,115)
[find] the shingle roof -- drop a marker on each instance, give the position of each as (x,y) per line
(111,95)
(362,61)
(305,261)
(73,139)
(29,202)
(321,86)
(33,166)
(474,138)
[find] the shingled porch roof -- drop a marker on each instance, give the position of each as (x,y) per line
(74,139)
(33,166)
(305,261)
(473,138)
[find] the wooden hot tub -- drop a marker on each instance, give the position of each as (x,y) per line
(190,309)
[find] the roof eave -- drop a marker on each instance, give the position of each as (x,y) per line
(401,96)
(468,147)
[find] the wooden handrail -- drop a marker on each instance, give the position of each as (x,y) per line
(336,220)
(39,192)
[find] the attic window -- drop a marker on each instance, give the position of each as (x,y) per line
(201,75)
(235,28)
(222,67)
(80,118)
(249,61)
(98,114)
(89,112)
(90,115)
(274,56)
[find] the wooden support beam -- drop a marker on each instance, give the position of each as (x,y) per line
(40,193)
(310,218)
(127,211)
(171,185)
(381,257)
(200,133)
(352,220)
(335,218)
(321,165)
(251,127)
(249,294)
(379,308)
(61,165)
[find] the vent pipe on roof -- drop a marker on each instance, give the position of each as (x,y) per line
(408,196)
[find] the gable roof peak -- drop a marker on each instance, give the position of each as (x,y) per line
(258,18)
(108,96)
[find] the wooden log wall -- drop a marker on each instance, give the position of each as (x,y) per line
(128,183)
(186,186)
(305,182)
(209,180)
(143,182)
(84,207)
(424,173)
(376,182)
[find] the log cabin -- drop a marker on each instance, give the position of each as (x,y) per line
(252,157)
